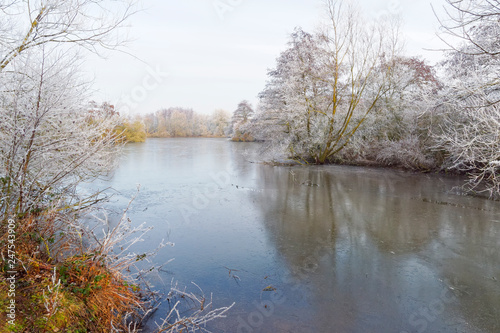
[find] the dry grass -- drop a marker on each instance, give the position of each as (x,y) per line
(58,291)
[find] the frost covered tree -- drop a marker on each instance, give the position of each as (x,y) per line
(30,24)
(470,122)
(184,122)
(470,104)
(471,22)
(325,85)
(472,142)
(240,121)
(243,112)
(294,97)
(220,121)
(398,131)
(50,140)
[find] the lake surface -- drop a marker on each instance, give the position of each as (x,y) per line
(341,249)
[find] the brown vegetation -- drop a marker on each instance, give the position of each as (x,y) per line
(60,288)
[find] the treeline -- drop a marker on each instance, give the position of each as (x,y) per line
(183,122)
(174,122)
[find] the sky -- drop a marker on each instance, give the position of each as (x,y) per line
(212,54)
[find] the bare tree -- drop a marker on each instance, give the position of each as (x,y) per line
(470,114)
(471,30)
(471,21)
(358,53)
(295,98)
(91,24)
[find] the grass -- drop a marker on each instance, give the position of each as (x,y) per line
(59,287)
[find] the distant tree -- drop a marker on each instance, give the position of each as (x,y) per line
(241,117)
(131,131)
(179,124)
(171,122)
(102,111)
(184,122)
(201,125)
(243,113)
(220,119)
(151,124)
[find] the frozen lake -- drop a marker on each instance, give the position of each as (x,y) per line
(314,249)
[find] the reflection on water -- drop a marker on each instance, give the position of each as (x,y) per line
(382,251)
(347,249)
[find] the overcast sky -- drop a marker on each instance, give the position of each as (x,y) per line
(217,52)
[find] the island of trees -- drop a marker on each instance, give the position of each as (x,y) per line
(348,94)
